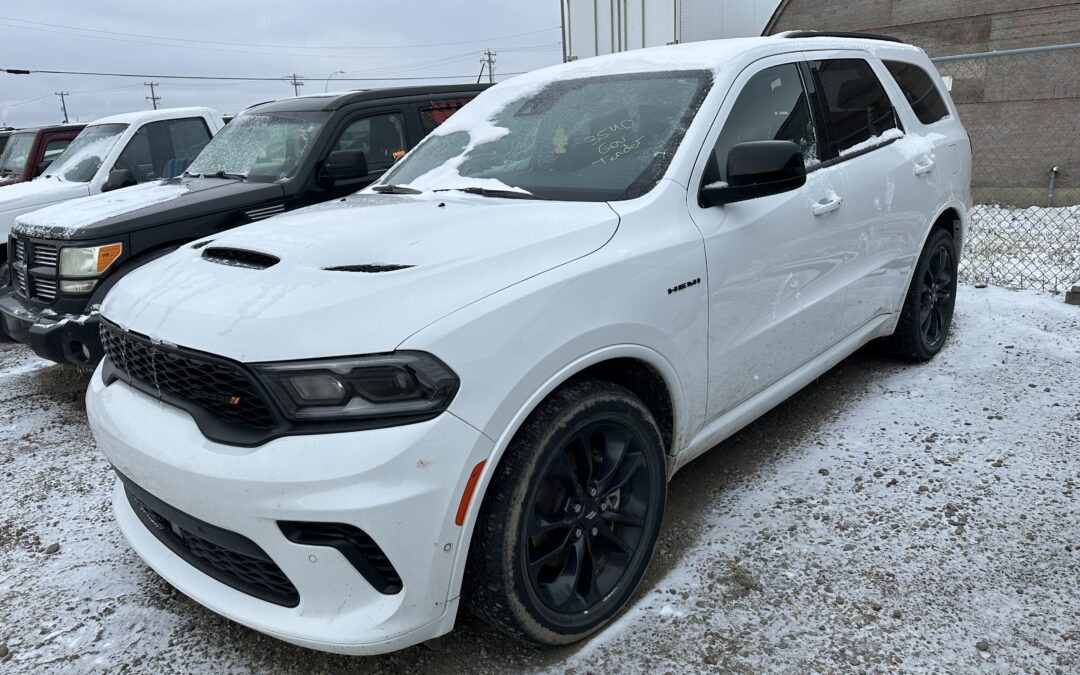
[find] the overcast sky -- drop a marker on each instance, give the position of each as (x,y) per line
(365,38)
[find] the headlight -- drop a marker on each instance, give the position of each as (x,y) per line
(365,388)
(88,261)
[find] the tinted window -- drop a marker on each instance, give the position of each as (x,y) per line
(440,111)
(381,138)
(857,109)
(773,106)
(163,149)
(920,91)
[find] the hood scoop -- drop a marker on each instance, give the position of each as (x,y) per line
(238,257)
(368,269)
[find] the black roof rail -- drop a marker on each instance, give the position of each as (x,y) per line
(832,34)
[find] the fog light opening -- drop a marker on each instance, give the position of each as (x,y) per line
(79,351)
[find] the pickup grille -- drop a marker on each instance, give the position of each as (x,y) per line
(45,255)
(34,271)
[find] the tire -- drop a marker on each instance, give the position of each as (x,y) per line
(928,306)
(611,536)
(5,273)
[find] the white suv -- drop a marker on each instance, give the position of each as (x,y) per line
(472,382)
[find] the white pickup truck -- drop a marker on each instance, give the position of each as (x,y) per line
(112,153)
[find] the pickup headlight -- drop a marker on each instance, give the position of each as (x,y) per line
(88,261)
(365,388)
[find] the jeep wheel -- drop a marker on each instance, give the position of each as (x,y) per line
(570,521)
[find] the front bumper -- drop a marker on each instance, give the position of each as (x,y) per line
(73,340)
(400,485)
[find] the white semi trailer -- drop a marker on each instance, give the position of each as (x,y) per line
(594,27)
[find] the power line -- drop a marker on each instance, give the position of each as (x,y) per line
(274,46)
(297,82)
(230,78)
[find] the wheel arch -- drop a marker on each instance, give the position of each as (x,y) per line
(643,369)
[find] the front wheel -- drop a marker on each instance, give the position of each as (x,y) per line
(928,307)
(570,521)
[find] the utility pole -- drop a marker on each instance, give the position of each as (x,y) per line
(489,60)
(296,81)
(63,103)
(152,98)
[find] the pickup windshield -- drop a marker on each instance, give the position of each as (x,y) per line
(261,146)
(81,160)
(13,159)
(589,139)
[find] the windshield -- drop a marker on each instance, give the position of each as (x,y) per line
(82,159)
(13,158)
(591,139)
(266,146)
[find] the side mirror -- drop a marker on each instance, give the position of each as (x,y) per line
(758,169)
(42,166)
(119,178)
(344,165)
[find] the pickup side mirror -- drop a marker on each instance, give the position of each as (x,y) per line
(42,166)
(119,178)
(343,165)
(758,169)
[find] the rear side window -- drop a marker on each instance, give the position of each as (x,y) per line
(857,109)
(437,112)
(920,91)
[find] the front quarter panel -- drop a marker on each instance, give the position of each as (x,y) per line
(514,348)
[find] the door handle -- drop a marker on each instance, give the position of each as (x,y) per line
(827,206)
(923,169)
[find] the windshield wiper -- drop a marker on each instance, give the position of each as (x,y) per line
(395,190)
(485,192)
(226,174)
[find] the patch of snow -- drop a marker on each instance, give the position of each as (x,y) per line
(79,213)
(873,142)
(718,185)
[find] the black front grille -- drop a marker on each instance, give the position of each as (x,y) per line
(221,388)
(230,558)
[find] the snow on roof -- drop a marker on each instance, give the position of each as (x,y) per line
(144,116)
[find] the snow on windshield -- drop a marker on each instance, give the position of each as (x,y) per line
(78,213)
(484,120)
(80,162)
(269,145)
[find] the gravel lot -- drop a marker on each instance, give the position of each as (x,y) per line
(888,518)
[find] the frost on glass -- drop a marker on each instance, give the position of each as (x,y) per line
(13,158)
(81,160)
(268,145)
(594,138)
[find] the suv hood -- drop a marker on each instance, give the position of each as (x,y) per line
(140,206)
(457,249)
(31,195)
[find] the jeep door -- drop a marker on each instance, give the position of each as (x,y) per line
(775,264)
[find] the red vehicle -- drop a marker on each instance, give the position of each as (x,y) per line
(29,151)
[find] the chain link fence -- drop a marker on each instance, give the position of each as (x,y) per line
(1022,111)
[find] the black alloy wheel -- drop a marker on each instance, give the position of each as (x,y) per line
(568,525)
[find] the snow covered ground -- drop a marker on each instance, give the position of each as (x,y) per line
(890,517)
(1023,248)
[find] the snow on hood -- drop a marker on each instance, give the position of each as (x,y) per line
(22,198)
(66,219)
(460,249)
(477,118)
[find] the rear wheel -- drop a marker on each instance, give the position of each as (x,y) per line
(928,307)
(570,521)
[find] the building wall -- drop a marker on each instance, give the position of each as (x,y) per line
(1023,112)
